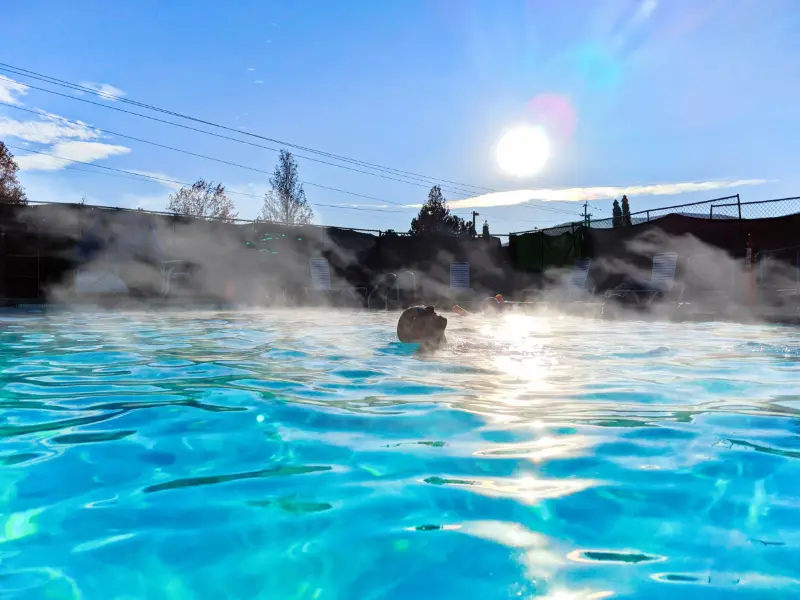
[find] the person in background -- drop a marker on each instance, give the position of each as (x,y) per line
(491,305)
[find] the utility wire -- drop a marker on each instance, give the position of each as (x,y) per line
(76,87)
(218,135)
(190,153)
(140,176)
(426,180)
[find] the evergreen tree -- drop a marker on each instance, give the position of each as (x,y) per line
(626,212)
(286,202)
(616,211)
(435,217)
(11,191)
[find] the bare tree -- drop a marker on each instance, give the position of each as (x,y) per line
(286,202)
(203,200)
(11,191)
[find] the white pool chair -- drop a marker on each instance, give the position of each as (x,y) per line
(576,284)
(459,281)
(321,282)
(662,281)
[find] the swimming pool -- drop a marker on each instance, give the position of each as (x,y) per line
(309,456)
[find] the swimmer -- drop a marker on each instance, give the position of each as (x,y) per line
(488,305)
(421,325)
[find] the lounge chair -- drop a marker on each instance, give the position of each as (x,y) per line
(173,269)
(321,284)
(576,284)
(774,287)
(662,282)
(459,281)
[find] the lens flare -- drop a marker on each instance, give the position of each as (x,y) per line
(554,113)
(523,151)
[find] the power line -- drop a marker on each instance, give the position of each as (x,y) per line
(222,161)
(427,180)
(547,209)
(140,176)
(218,135)
(190,153)
(111,96)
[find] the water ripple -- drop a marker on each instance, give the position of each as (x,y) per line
(309,455)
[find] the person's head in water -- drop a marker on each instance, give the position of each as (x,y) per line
(421,325)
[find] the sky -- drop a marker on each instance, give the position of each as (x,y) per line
(669,101)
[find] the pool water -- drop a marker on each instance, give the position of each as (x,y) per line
(308,456)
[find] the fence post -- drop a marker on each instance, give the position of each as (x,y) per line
(648,216)
(739,206)
(711,212)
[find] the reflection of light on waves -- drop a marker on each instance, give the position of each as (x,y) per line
(527,489)
(541,449)
(521,357)
(541,561)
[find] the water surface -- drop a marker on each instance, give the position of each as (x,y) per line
(309,456)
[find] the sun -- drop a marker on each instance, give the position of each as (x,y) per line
(523,151)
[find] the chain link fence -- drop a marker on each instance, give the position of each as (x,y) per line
(701,210)
(760,209)
(728,207)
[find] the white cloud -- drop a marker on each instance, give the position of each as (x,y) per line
(105,90)
(10,89)
(259,81)
(251,69)
(68,151)
(514,197)
(47,130)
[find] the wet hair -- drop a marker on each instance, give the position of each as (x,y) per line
(421,324)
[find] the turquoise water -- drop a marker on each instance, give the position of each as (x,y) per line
(308,456)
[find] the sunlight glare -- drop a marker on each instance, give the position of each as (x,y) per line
(523,151)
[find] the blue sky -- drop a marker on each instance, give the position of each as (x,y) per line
(683,97)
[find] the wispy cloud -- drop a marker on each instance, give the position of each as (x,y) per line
(251,69)
(104,90)
(584,194)
(67,152)
(259,81)
(48,129)
(10,90)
